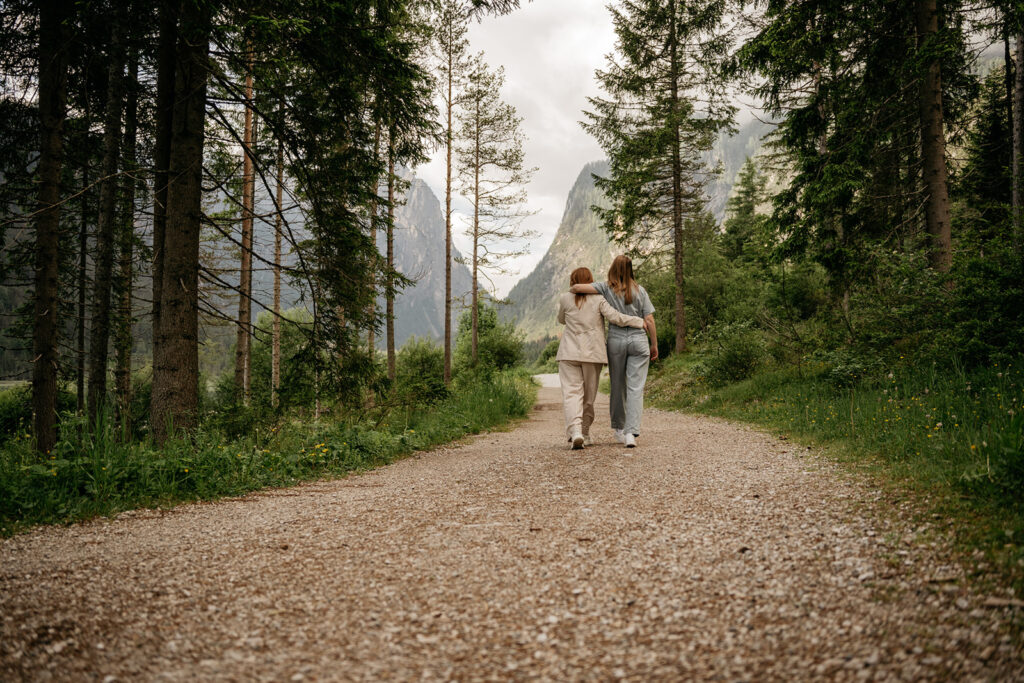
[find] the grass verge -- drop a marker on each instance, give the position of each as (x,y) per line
(101,475)
(951,439)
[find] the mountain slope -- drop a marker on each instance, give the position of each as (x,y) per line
(580,241)
(419,255)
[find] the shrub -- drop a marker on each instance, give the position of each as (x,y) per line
(419,370)
(736,352)
(16,409)
(499,345)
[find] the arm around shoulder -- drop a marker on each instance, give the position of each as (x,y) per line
(620,319)
(584,289)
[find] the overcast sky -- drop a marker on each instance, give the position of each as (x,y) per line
(550,50)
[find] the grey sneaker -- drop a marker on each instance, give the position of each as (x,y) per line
(630,441)
(577,440)
(619,436)
(588,440)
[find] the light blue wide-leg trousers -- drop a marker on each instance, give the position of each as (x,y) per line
(628,358)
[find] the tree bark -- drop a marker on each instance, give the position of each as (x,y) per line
(53,34)
(448,229)
(371,335)
(83,245)
(275,355)
(176,353)
(476,233)
(933,143)
(126,274)
(244,336)
(389,290)
(166,61)
(1018,137)
(677,191)
(106,226)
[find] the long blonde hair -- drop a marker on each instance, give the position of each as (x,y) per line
(620,278)
(581,276)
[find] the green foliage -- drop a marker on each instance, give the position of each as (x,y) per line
(499,345)
(102,474)
(733,352)
(419,370)
(16,410)
(650,123)
(550,351)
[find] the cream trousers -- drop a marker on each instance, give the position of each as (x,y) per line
(579,389)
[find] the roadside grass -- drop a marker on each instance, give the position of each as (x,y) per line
(952,440)
(103,475)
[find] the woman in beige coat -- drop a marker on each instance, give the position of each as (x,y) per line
(582,353)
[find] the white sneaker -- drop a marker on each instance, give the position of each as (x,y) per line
(619,436)
(630,441)
(577,440)
(588,440)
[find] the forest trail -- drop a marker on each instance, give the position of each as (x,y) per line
(711,550)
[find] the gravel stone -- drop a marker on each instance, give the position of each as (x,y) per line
(715,551)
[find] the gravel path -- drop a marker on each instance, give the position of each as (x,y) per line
(710,551)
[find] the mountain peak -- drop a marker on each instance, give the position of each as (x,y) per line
(580,241)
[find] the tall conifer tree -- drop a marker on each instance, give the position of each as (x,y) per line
(663,110)
(452,20)
(492,174)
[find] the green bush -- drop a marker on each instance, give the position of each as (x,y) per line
(550,351)
(735,352)
(499,346)
(16,410)
(419,370)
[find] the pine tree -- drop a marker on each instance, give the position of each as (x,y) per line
(243,356)
(664,109)
(933,137)
(175,398)
(123,337)
(53,77)
(492,175)
(743,224)
(275,357)
(451,26)
(106,230)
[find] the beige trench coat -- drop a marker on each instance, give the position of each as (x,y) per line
(583,337)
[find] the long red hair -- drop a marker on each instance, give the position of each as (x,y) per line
(581,276)
(620,278)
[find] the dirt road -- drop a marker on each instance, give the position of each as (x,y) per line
(710,551)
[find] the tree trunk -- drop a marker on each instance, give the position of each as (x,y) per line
(1008,74)
(389,290)
(126,276)
(53,75)
(476,233)
(244,336)
(176,352)
(106,227)
(371,335)
(448,231)
(677,191)
(83,245)
(166,61)
(933,142)
(275,355)
(1018,137)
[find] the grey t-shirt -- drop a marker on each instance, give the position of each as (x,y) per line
(641,305)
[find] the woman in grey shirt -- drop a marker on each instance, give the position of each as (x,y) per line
(630,351)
